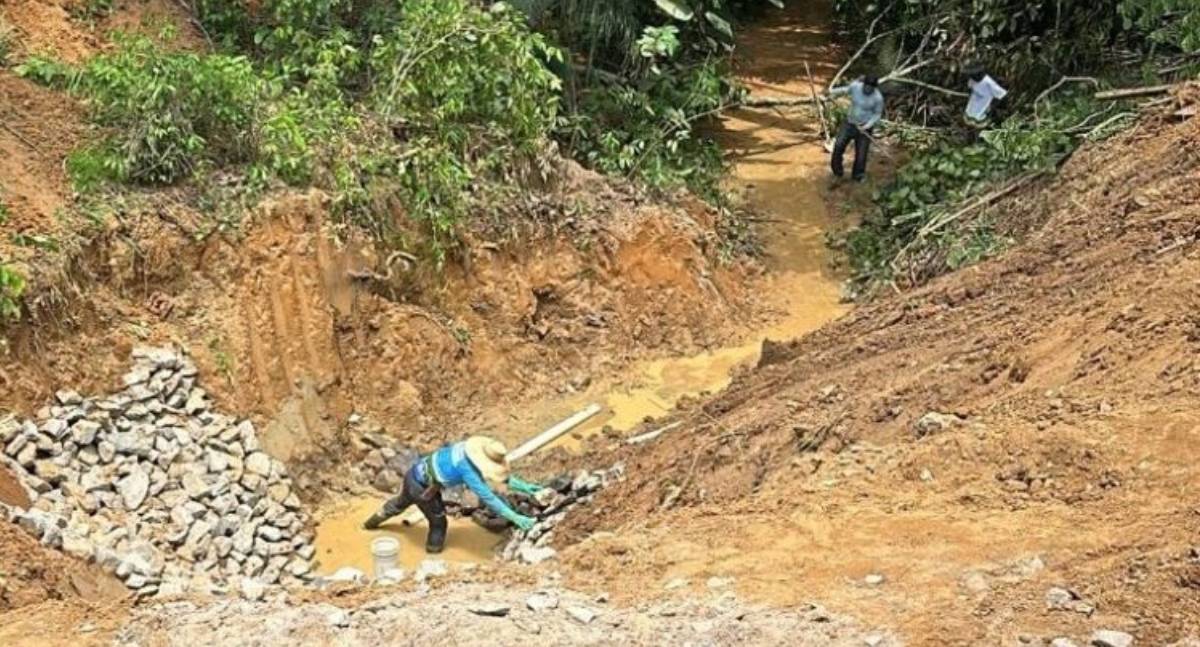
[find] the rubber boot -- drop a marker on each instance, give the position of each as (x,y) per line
(374,522)
(436,540)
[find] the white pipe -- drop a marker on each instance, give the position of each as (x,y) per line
(546,437)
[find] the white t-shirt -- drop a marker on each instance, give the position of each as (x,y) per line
(982,93)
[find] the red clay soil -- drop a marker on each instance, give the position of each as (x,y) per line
(1068,373)
(11,492)
(48,598)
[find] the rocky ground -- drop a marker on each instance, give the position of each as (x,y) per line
(1042,404)
(477,613)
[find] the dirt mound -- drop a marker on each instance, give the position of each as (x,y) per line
(1041,404)
(33,574)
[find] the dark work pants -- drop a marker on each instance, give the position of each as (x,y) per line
(428,500)
(862,145)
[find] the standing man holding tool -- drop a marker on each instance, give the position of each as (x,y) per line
(472,463)
(866,109)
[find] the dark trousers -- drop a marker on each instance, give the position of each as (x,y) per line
(428,500)
(862,146)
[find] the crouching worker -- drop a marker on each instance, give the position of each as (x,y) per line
(472,463)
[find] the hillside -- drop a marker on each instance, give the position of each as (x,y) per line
(1041,405)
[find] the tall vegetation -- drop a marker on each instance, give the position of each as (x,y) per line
(414,114)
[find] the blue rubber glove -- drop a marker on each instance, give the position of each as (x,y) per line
(521,521)
(518,484)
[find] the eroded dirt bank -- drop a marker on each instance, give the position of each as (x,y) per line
(1015,430)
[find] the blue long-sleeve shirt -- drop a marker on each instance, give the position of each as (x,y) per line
(452,468)
(866,108)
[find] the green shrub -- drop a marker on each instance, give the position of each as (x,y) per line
(648,133)
(12,288)
(171,110)
(166,111)
(461,93)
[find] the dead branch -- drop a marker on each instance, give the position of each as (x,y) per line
(21,137)
(771,102)
(871,38)
(927,86)
(364,275)
(812,88)
(982,201)
(1126,93)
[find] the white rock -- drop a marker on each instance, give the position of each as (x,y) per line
(258,463)
(195,485)
(84,432)
(429,568)
(347,574)
(583,615)
(542,601)
(338,618)
(536,554)
(874,579)
(253,589)
(133,489)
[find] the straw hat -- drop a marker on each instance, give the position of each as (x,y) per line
(489,456)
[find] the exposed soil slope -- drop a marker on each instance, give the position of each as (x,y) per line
(1067,375)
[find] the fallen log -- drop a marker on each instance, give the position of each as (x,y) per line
(772,102)
(1126,93)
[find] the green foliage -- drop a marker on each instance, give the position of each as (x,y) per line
(648,132)
(227,22)
(12,288)
(167,111)
(938,180)
(465,74)
(171,110)
(1171,22)
(90,11)
(47,72)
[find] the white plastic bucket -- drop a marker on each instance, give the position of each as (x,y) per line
(385,553)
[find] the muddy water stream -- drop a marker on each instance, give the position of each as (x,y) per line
(779,161)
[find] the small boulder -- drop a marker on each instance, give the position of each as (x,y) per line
(133,489)
(582,615)
(253,589)
(1111,638)
(934,422)
(491,609)
(541,601)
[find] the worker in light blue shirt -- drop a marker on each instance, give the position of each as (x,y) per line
(866,109)
(472,462)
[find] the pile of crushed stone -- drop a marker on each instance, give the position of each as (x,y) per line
(155,486)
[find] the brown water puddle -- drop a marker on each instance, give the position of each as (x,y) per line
(341,540)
